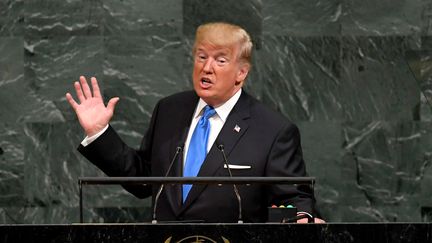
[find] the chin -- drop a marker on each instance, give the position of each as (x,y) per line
(206,96)
(202,93)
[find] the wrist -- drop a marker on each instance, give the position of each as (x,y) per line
(93,132)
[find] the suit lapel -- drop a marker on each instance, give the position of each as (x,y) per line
(235,126)
(174,192)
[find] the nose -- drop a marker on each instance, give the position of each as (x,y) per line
(208,66)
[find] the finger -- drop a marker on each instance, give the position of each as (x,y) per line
(79,92)
(319,221)
(85,87)
(112,103)
(71,101)
(302,221)
(95,87)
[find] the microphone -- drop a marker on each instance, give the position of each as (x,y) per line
(221,148)
(161,187)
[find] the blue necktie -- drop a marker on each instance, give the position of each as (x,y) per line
(197,148)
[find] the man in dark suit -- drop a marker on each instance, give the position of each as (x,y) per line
(257,141)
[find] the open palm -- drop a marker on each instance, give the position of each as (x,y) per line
(91,111)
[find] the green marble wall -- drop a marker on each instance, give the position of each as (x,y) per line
(356,76)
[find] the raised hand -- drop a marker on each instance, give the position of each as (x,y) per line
(91,111)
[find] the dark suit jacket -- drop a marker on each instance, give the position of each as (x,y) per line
(266,141)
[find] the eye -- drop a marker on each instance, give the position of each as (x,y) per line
(221,61)
(201,57)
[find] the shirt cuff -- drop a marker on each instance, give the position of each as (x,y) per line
(305,213)
(88,140)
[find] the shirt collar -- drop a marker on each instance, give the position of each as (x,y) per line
(223,110)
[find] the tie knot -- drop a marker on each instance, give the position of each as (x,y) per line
(208,112)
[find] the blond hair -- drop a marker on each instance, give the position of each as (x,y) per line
(225,35)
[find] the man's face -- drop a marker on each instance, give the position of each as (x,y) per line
(217,74)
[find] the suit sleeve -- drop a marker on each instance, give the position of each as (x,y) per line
(115,158)
(286,160)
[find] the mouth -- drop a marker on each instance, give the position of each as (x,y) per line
(206,82)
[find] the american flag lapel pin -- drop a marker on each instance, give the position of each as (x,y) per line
(237,128)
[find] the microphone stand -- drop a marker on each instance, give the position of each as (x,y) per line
(178,151)
(221,148)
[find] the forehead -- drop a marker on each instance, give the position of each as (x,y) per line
(216,49)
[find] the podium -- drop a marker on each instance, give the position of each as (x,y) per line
(210,232)
(310,181)
(166,233)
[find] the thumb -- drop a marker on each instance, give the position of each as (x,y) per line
(112,103)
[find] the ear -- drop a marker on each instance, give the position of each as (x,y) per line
(242,73)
